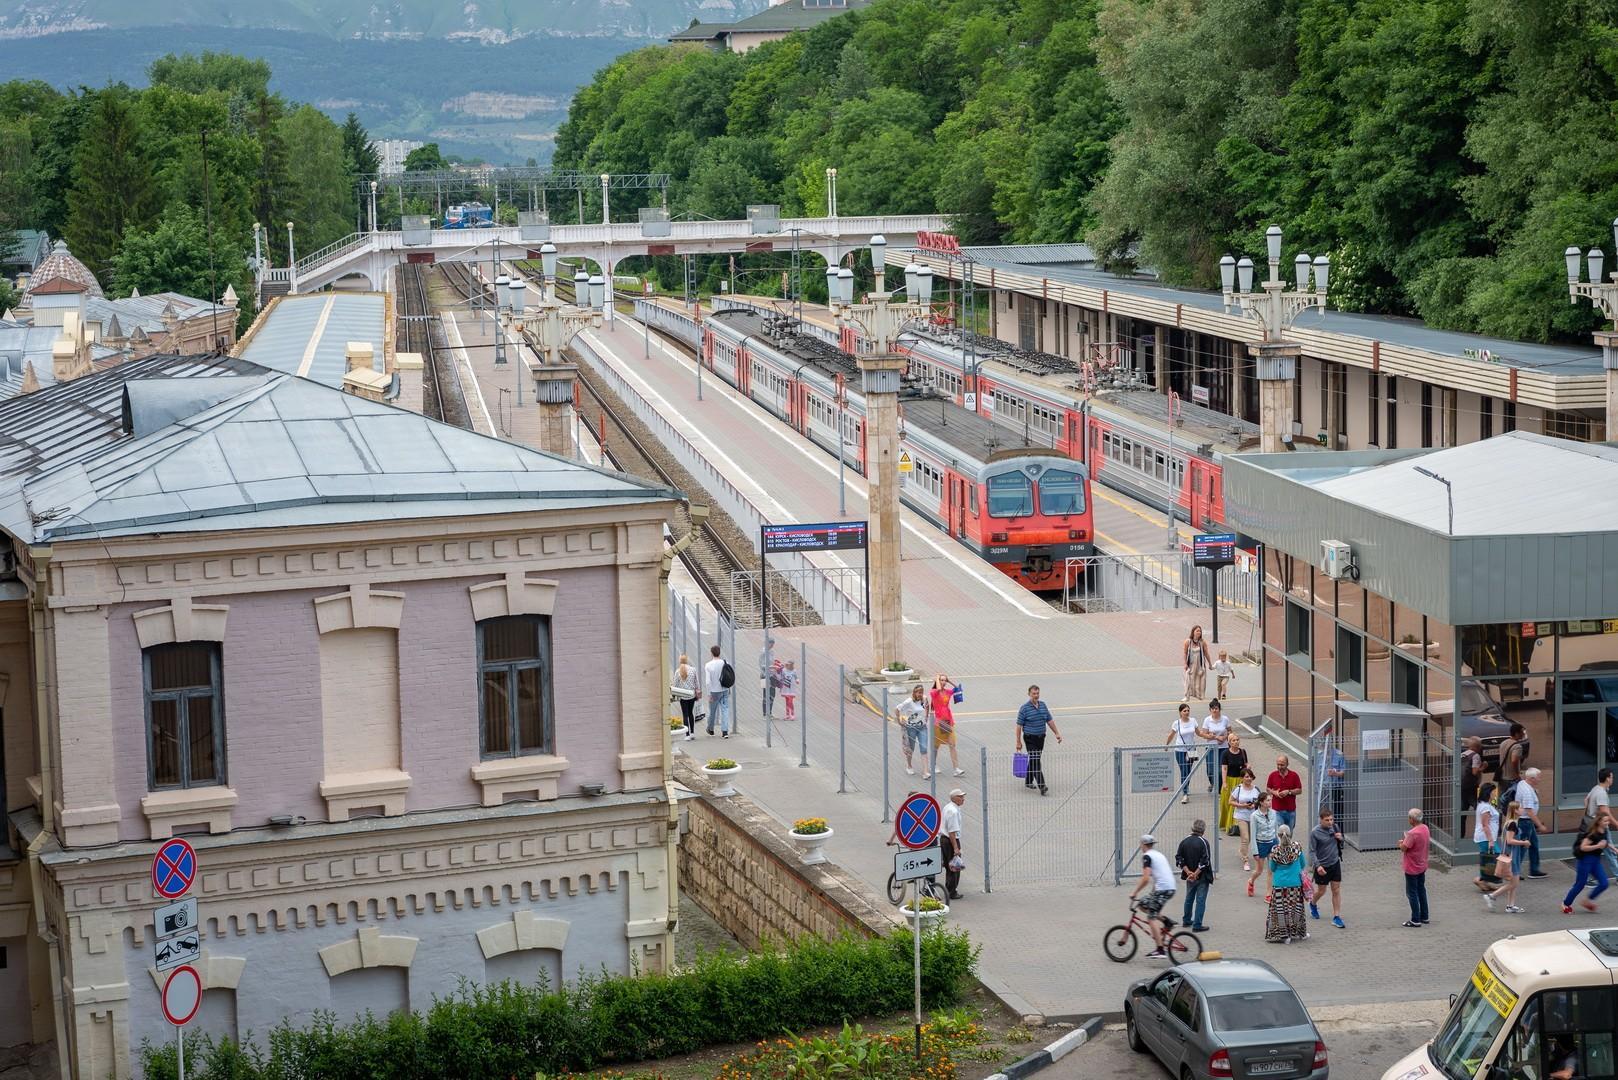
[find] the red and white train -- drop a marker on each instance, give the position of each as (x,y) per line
(1121,435)
(1024,508)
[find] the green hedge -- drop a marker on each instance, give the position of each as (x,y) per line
(508,1030)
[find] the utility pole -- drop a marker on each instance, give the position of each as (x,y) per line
(207,224)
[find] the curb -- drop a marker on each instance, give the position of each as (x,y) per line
(1053,1053)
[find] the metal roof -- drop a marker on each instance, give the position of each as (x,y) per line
(1035,254)
(1554,359)
(260,449)
(1518,482)
(308,334)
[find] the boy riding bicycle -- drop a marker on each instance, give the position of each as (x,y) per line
(1157,876)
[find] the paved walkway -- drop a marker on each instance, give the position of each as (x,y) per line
(1112,681)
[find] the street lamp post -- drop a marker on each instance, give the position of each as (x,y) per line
(292,262)
(373,206)
(882,322)
(1275,310)
(1604,295)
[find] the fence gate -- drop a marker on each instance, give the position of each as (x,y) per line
(1371,769)
(1155,793)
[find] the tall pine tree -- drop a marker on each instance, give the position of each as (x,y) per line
(270,186)
(112,181)
(360,159)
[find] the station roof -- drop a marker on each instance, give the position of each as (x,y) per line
(307,334)
(1535,534)
(170,444)
(1063,266)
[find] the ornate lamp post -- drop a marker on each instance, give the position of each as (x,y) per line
(882,321)
(1604,295)
(1275,310)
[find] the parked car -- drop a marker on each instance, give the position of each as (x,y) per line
(1481,715)
(1224,1020)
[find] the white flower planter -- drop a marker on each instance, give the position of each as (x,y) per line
(722,779)
(899,676)
(810,845)
(926,916)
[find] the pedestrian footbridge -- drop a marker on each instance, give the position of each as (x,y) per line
(368,258)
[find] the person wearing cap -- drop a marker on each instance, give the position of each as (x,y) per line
(1157,881)
(768,676)
(949,842)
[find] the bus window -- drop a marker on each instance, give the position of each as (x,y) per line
(1011,495)
(1563,1033)
(1061,492)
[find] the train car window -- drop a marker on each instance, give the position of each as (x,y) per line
(1011,495)
(972,497)
(1061,492)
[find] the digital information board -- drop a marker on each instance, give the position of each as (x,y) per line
(829,536)
(1213,549)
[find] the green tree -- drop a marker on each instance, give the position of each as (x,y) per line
(172,255)
(319,192)
(272,183)
(425,159)
(234,76)
(113,189)
(359,152)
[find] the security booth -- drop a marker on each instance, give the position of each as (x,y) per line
(1389,762)
(1431,600)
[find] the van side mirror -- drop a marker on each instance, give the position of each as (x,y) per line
(1452,1000)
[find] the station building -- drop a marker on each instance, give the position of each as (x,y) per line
(397,682)
(1441,594)
(1364,381)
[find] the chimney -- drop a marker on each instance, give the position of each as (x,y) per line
(30,381)
(360,355)
(230,299)
(362,379)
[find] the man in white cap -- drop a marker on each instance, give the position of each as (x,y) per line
(949,842)
(1157,881)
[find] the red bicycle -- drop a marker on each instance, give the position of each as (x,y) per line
(1123,941)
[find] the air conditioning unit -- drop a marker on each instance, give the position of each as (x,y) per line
(1337,561)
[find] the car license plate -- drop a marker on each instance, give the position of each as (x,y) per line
(1264,1068)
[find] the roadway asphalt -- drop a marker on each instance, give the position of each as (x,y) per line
(1361,1043)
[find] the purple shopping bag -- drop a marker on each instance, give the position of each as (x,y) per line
(1019,765)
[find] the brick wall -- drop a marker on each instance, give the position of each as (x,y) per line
(736,863)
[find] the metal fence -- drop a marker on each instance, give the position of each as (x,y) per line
(1153,581)
(831,595)
(1372,779)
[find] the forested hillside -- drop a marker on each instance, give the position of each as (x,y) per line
(1443,151)
(131,178)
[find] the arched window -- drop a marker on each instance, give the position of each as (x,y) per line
(514,686)
(185,715)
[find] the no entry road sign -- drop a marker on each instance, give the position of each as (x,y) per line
(182,995)
(918,820)
(174,868)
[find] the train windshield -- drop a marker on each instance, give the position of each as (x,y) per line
(1011,495)
(1061,492)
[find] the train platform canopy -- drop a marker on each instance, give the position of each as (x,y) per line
(1064,263)
(176,444)
(308,334)
(1533,536)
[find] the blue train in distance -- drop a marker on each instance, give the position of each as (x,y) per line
(472,215)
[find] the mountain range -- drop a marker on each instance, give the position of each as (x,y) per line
(491,21)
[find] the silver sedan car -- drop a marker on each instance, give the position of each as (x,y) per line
(1224,1020)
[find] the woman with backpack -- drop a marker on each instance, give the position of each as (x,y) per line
(1588,848)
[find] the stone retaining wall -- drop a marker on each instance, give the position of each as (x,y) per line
(737,865)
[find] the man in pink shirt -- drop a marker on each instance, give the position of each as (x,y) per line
(1415,845)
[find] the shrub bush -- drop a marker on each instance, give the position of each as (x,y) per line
(507,1029)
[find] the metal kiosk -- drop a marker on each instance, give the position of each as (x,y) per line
(1386,754)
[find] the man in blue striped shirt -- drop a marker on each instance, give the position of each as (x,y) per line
(1032,721)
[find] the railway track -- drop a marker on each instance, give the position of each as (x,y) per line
(444,398)
(718,554)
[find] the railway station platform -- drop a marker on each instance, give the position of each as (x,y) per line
(1111,679)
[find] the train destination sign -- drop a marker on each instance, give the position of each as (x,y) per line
(826,536)
(1213,549)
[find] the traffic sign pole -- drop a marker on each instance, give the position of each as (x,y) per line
(915,904)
